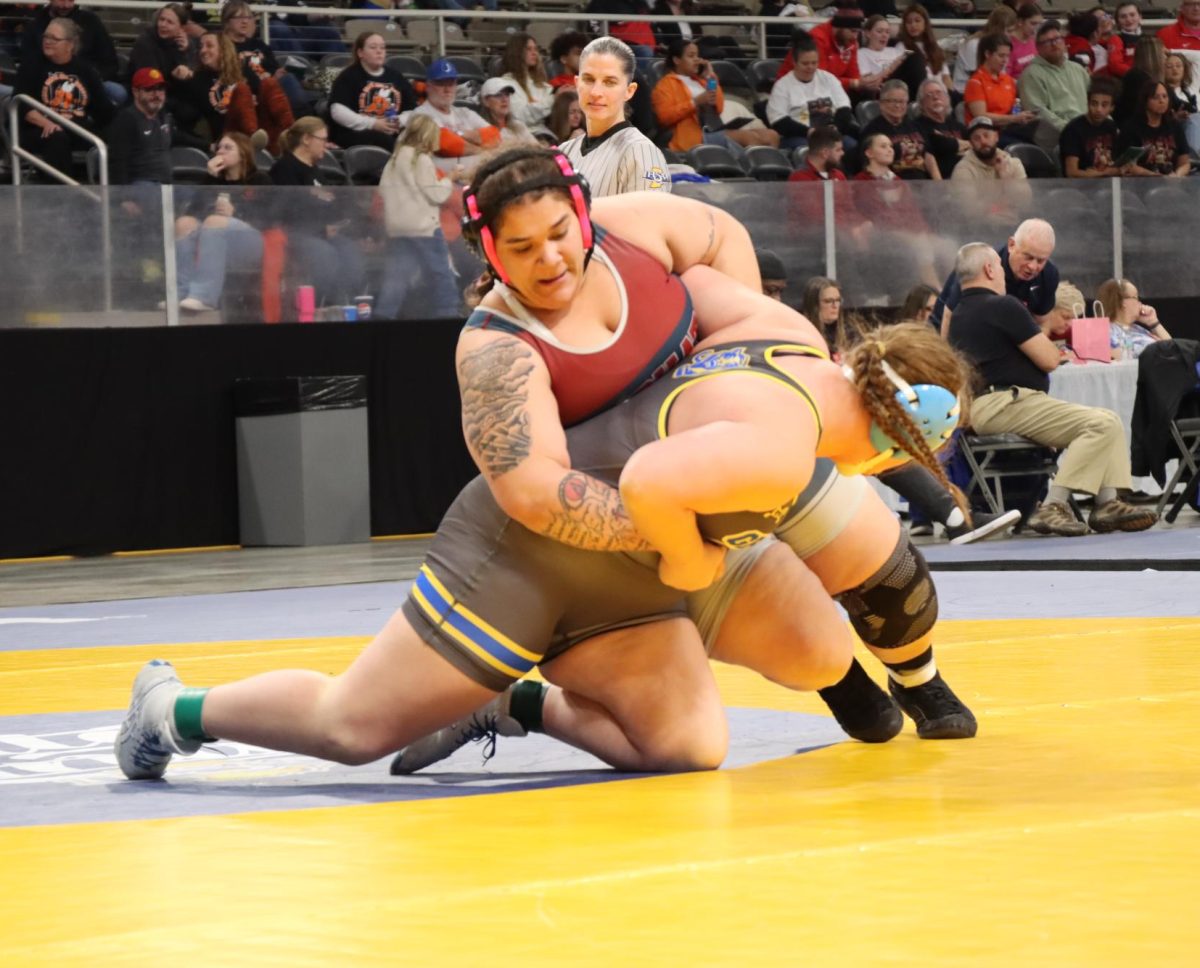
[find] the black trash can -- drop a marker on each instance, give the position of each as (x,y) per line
(302,460)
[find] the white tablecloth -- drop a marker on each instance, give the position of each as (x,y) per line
(1111,385)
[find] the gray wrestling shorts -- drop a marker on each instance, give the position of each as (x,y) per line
(823,510)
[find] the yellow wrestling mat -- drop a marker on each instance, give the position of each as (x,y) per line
(1066,833)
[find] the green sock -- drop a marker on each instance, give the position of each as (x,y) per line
(188,705)
(525,704)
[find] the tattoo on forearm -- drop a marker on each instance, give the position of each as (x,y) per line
(592,517)
(495,389)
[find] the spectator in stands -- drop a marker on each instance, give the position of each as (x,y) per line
(712,47)
(566,117)
(240,24)
(1154,129)
(1129,27)
(614,156)
(1088,143)
(992,93)
(987,161)
(780,36)
(464,133)
(1133,325)
(822,304)
(1149,64)
(878,58)
(1068,307)
(1184,34)
(1053,87)
(916,33)
(1024,37)
(1081,35)
(141,135)
(69,86)
(945,135)
(772,273)
(689,99)
(418,283)
(807,97)
(169,49)
(1029,275)
(913,159)
(918,304)
(231,101)
(564,51)
(1014,357)
(1110,48)
(898,243)
(495,98)
(823,160)
(638,34)
(966,61)
(532,94)
(368,97)
(1177,75)
(94,46)
(223,231)
(315,220)
(837,45)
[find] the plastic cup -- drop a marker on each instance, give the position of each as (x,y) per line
(306,303)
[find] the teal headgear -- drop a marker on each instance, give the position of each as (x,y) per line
(934,409)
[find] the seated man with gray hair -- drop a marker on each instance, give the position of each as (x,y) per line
(1014,357)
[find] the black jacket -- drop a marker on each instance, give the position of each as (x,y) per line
(1166,374)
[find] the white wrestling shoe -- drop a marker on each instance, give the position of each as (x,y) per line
(483,725)
(146,742)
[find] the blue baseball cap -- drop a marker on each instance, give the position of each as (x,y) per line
(441,70)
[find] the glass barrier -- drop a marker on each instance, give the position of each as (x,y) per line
(93,257)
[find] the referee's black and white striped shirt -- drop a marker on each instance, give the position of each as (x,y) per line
(621,160)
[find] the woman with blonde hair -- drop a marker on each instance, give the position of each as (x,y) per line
(1133,325)
(419,283)
(532,95)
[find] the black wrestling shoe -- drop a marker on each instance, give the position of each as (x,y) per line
(861,708)
(938,713)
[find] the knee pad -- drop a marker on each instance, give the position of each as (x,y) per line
(897,604)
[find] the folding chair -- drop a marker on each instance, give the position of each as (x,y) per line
(1185,433)
(993,457)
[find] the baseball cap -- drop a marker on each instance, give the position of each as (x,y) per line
(848,16)
(496,85)
(981,122)
(441,70)
(770,266)
(148,77)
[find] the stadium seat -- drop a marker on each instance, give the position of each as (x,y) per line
(768,164)
(468,69)
(866,112)
(411,67)
(731,77)
(189,166)
(715,161)
(799,156)
(762,74)
(336,60)
(1037,163)
(364,163)
(331,171)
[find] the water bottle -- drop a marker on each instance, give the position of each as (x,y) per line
(712,84)
(1016,108)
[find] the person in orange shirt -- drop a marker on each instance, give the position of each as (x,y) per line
(991,93)
(690,100)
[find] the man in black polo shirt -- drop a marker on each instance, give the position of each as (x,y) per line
(1014,357)
(1029,275)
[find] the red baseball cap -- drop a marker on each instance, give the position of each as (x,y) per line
(148,77)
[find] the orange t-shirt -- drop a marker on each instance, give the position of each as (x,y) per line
(998,93)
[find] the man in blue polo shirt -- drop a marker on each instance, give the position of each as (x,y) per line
(1015,357)
(1029,275)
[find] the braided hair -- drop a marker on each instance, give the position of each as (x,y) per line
(919,355)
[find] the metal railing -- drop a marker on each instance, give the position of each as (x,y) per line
(19,154)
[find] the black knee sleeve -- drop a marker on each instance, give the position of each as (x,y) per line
(897,604)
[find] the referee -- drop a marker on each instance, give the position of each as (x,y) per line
(614,156)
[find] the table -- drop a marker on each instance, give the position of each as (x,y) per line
(1111,385)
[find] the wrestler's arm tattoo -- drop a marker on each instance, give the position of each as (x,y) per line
(592,516)
(494,381)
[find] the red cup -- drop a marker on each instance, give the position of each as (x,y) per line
(306,304)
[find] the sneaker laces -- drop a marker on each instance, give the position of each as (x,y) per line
(481,730)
